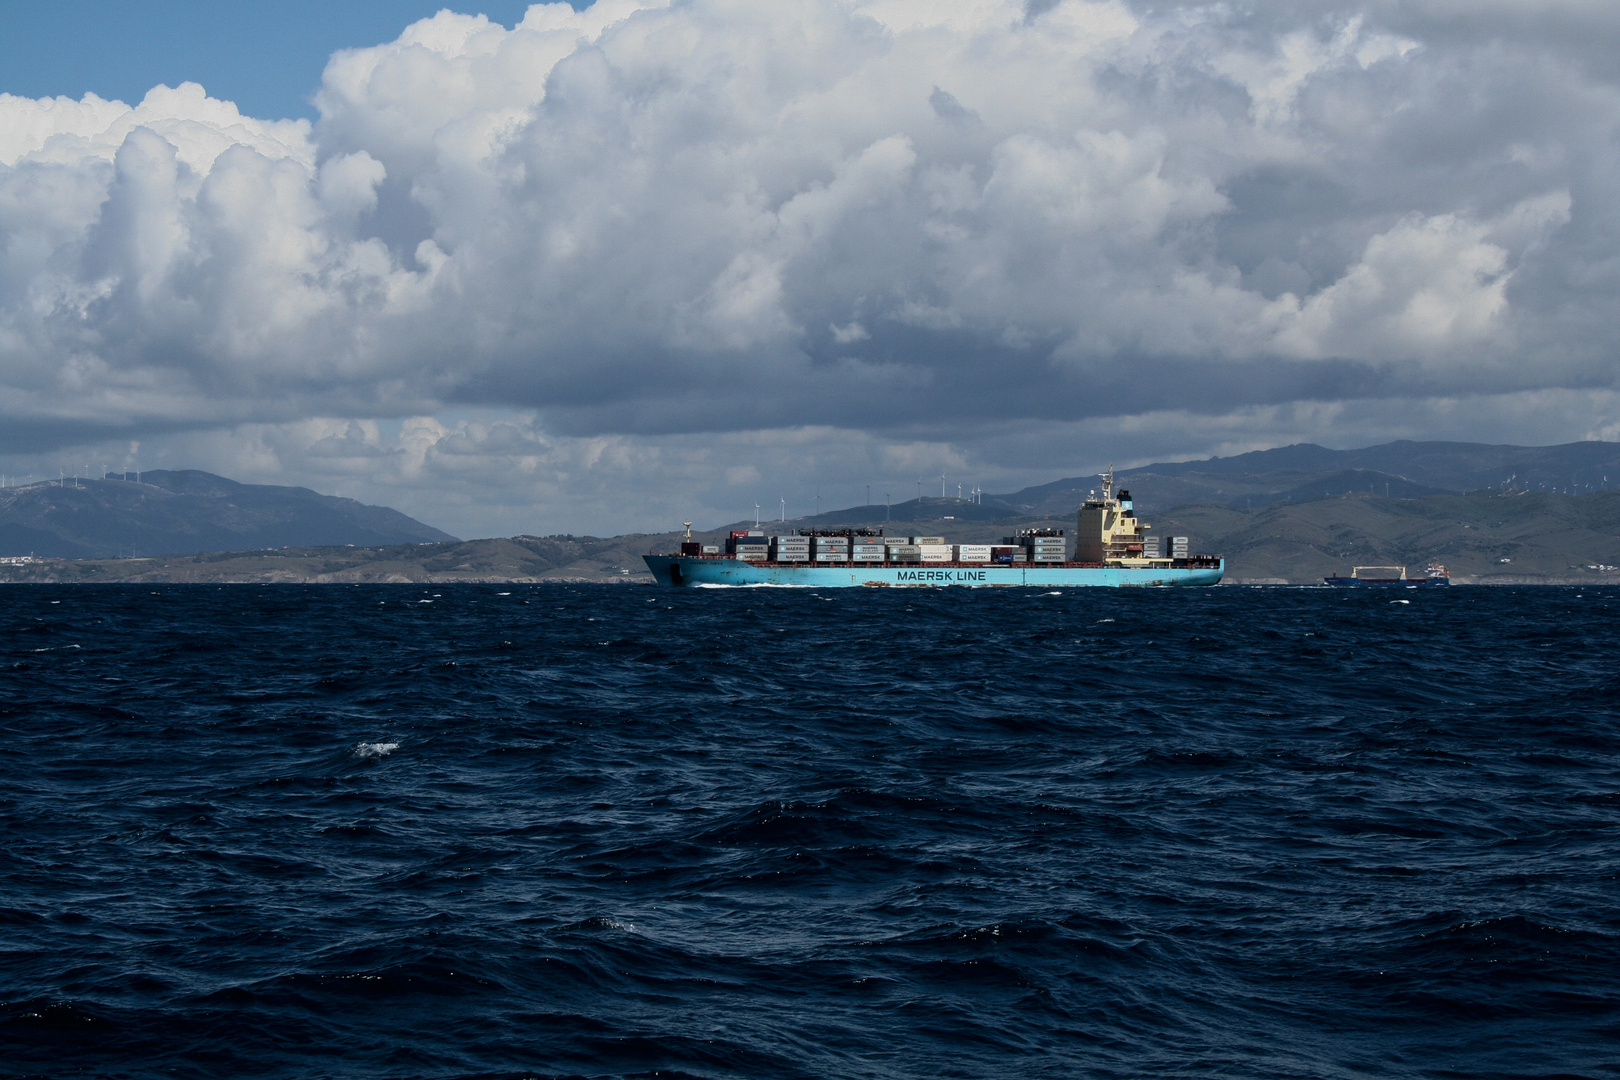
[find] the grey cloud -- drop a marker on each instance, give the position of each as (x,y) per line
(647,221)
(948,109)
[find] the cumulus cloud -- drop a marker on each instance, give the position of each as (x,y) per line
(641,229)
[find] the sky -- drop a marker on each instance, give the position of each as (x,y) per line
(538,270)
(265,56)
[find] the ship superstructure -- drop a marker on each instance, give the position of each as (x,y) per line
(1111,547)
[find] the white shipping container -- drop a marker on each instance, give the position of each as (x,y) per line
(973,549)
(1046,558)
(936,558)
(935,549)
(829,556)
(859,557)
(925,540)
(973,556)
(792,556)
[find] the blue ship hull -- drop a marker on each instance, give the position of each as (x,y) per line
(709,571)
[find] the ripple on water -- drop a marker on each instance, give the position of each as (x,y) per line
(378,831)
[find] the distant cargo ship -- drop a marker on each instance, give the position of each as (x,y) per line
(1391,575)
(1111,549)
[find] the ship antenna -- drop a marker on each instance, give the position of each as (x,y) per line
(688,525)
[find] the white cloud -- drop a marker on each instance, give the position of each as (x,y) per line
(1426,281)
(200,128)
(643,227)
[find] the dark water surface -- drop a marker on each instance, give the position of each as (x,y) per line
(512,831)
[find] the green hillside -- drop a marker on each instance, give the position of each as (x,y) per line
(1523,536)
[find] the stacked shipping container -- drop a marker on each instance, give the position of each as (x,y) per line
(751,545)
(1030,546)
(868,552)
(1041,546)
(790,548)
(830,549)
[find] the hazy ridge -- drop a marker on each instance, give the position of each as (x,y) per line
(189,511)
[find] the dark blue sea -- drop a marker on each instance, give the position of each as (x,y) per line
(587,831)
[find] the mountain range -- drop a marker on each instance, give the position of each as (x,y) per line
(1295,513)
(1298,473)
(1484,537)
(187,511)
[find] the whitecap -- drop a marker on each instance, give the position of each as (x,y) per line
(375,749)
(1400,601)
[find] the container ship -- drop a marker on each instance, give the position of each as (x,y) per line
(1110,548)
(1391,575)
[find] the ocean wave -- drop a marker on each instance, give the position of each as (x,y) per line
(733,833)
